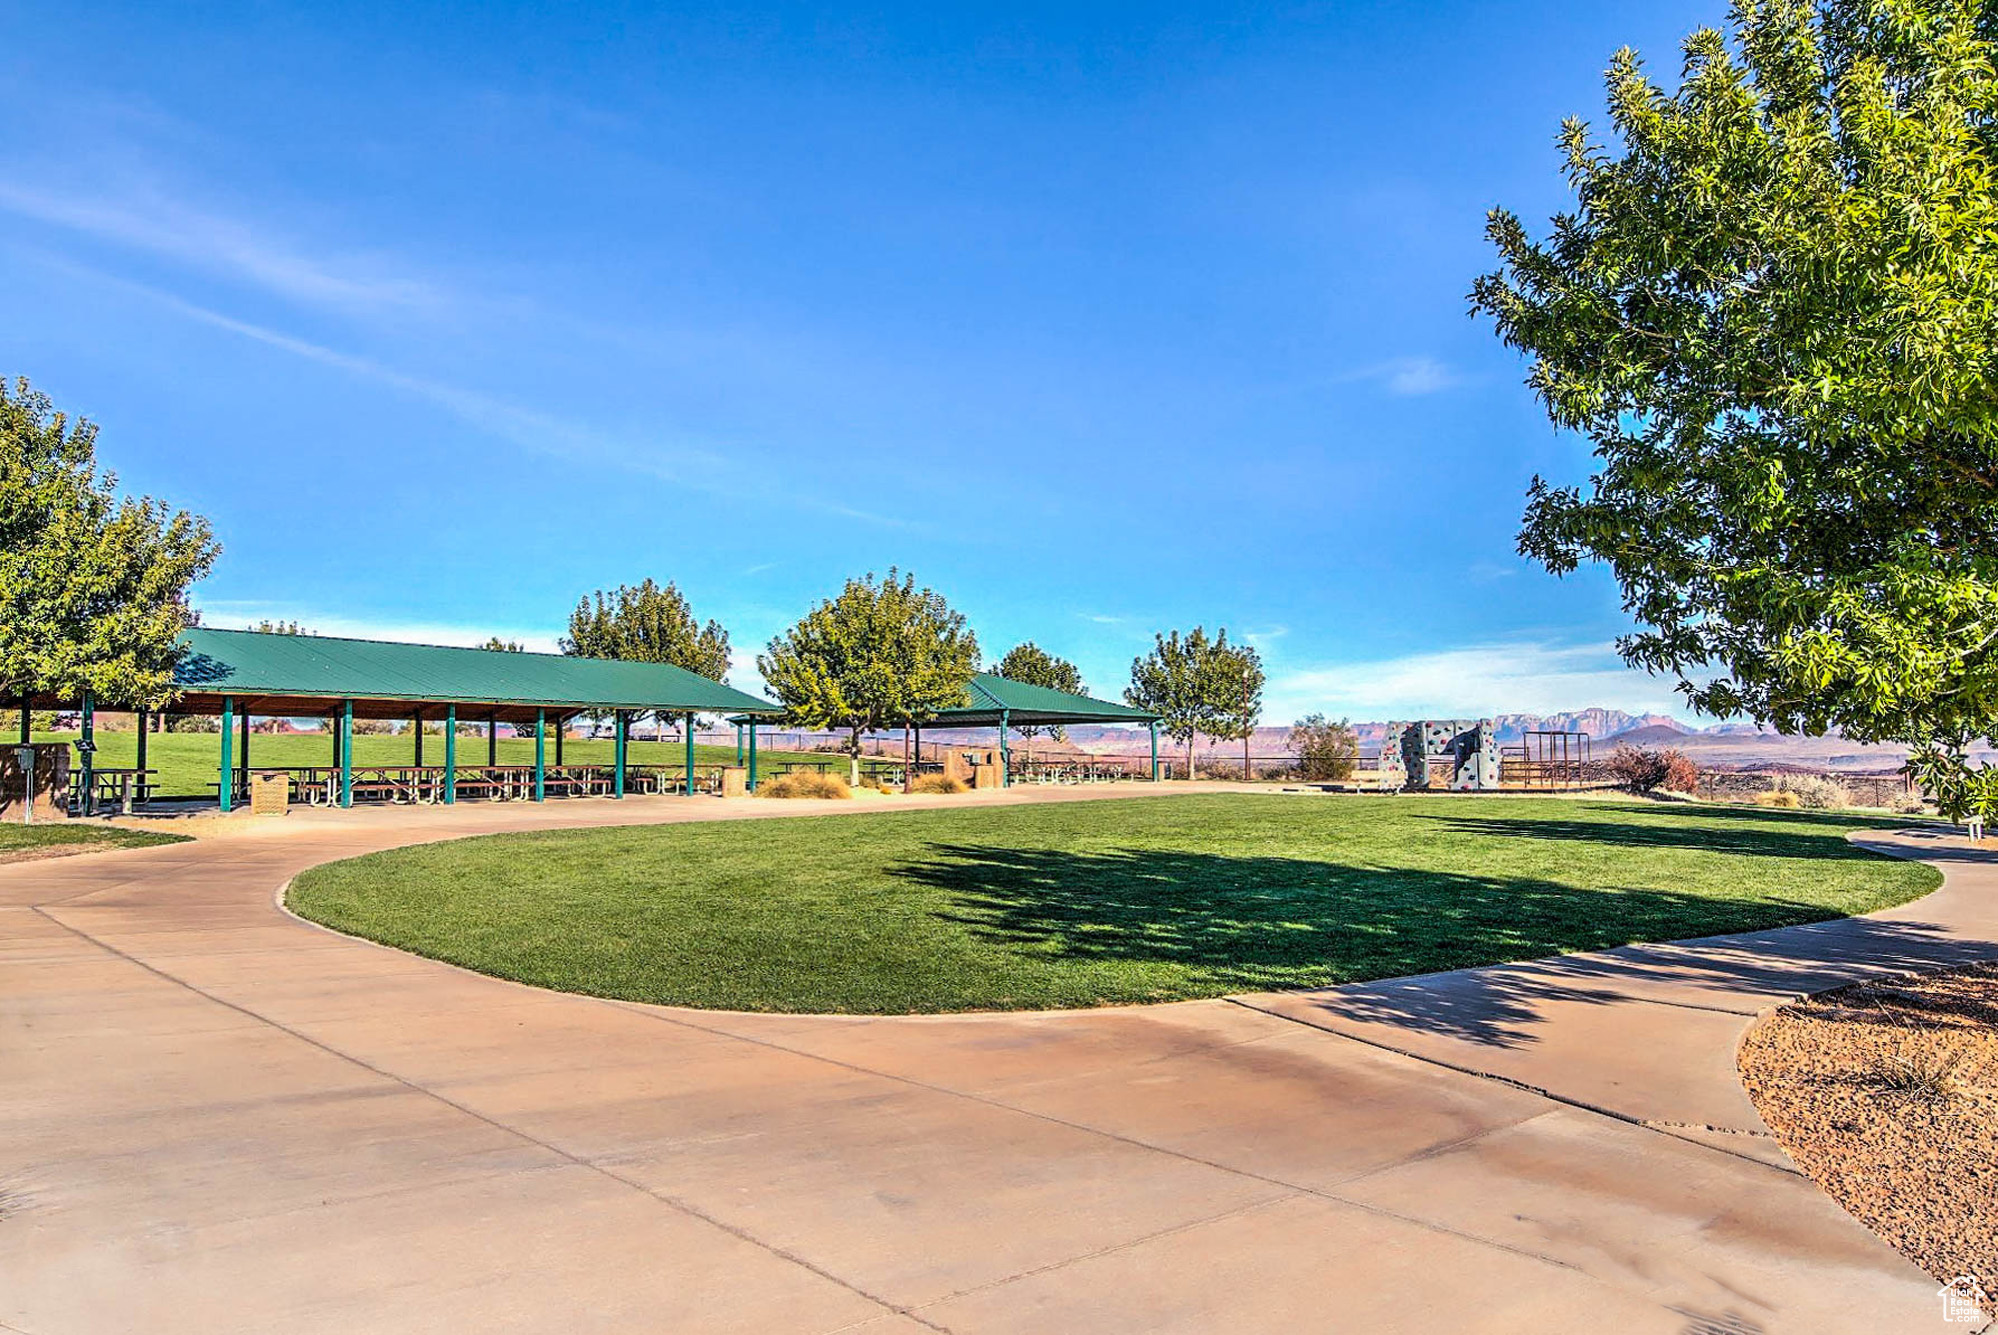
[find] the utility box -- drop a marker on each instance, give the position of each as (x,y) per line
(734,781)
(990,773)
(270,792)
(40,769)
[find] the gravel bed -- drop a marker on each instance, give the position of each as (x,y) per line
(1886,1094)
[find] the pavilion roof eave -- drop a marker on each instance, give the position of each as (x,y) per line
(470,708)
(1025,706)
(1026,718)
(277,674)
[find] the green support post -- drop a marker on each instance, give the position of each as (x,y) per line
(243,761)
(346,753)
(417,723)
(492,741)
(450,753)
(1005,752)
(738,743)
(1155,751)
(619,740)
(226,776)
(139,779)
(559,730)
(540,756)
(87,744)
(690,755)
(752,755)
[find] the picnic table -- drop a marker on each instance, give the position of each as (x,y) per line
(119,787)
(1076,769)
(319,785)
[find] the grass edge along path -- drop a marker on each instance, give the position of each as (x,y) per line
(1146,899)
(54,839)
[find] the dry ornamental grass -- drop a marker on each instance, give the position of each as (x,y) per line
(804,783)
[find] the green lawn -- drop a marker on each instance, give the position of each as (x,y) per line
(18,842)
(187,761)
(1079,904)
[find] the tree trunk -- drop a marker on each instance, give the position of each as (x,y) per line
(1246,775)
(1189,757)
(853,761)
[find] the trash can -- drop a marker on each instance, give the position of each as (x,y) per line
(270,792)
(734,781)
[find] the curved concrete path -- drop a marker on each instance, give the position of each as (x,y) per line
(217,1118)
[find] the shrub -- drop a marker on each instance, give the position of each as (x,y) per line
(1815,792)
(1638,769)
(1325,750)
(1908,803)
(1777,797)
(1681,774)
(804,783)
(937,783)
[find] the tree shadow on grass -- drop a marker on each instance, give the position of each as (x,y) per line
(1256,924)
(1823,840)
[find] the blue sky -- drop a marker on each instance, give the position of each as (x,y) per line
(1102,320)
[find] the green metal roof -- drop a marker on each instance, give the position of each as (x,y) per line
(267,671)
(1029,707)
(1032,706)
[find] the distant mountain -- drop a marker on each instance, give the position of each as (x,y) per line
(1723,746)
(1656,734)
(1600,724)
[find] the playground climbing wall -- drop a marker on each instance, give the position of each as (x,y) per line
(1457,754)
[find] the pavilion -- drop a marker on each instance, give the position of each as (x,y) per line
(237,673)
(999,702)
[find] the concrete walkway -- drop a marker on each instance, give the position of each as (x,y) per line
(217,1118)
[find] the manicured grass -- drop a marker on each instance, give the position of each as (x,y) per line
(187,761)
(20,842)
(1078,904)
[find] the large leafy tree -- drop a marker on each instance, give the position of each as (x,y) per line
(643,624)
(1037,667)
(646,624)
(93,586)
(883,653)
(1199,684)
(1773,312)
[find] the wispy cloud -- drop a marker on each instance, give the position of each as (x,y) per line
(729,474)
(1410,377)
(1472,681)
(160,225)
